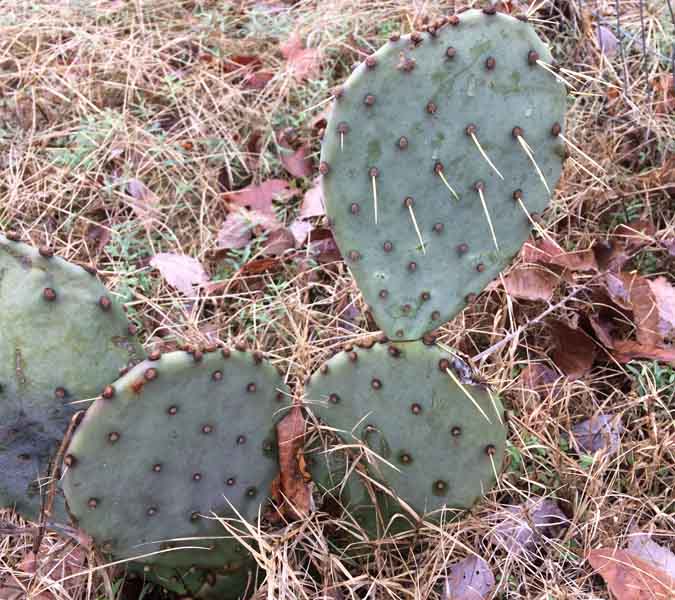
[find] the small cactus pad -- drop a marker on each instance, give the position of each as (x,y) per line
(233,581)
(426,113)
(63,338)
(400,401)
(172,442)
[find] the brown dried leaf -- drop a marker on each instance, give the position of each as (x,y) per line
(184,273)
(548,252)
(537,378)
(278,242)
(530,284)
(312,202)
(627,350)
(296,163)
(631,578)
(574,353)
(295,493)
(469,579)
(145,202)
(300,230)
(633,292)
(259,197)
(664,296)
(303,63)
(603,329)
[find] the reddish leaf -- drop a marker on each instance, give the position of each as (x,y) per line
(278,241)
(184,273)
(633,292)
(469,579)
(312,202)
(574,353)
(548,252)
(258,80)
(259,266)
(259,197)
(295,492)
(631,578)
(627,350)
(303,63)
(296,163)
(530,284)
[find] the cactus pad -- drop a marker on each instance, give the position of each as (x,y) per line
(399,401)
(171,443)
(62,340)
(404,125)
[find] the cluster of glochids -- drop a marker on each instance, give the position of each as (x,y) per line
(443,137)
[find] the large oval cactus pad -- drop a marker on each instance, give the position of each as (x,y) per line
(170,443)
(401,402)
(404,124)
(62,338)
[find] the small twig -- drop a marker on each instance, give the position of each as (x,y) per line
(485,353)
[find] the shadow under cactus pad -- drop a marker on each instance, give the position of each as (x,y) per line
(411,425)
(426,113)
(62,338)
(172,443)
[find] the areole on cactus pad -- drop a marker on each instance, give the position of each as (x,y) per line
(63,338)
(416,423)
(440,149)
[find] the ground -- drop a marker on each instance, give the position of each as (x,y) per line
(126,125)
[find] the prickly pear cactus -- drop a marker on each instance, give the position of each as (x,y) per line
(439,435)
(175,441)
(62,339)
(440,148)
(233,581)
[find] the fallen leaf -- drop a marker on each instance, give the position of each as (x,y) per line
(303,63)
(145,202)
(258,80)
(629,577)
(633,292)
(300,230)
(469,579)
(278,241)
(546,251)
(607,41)
(530,284)
(259,197)
(640,544)
(627,350)
(322,245)
(312,202)
(664,296)
(236,62)
(600,432)
(602,328)
(574,351)
(519,528)
(294,490)
(664,92)
(258,266)
(537,378)
(297,163)
(235,232)
(183,272)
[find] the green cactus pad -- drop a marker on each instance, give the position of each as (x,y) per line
(399,401)
(405,113)
(232,582)
(176,440)
(62,340)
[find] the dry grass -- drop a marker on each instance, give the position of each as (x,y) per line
(93,94)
